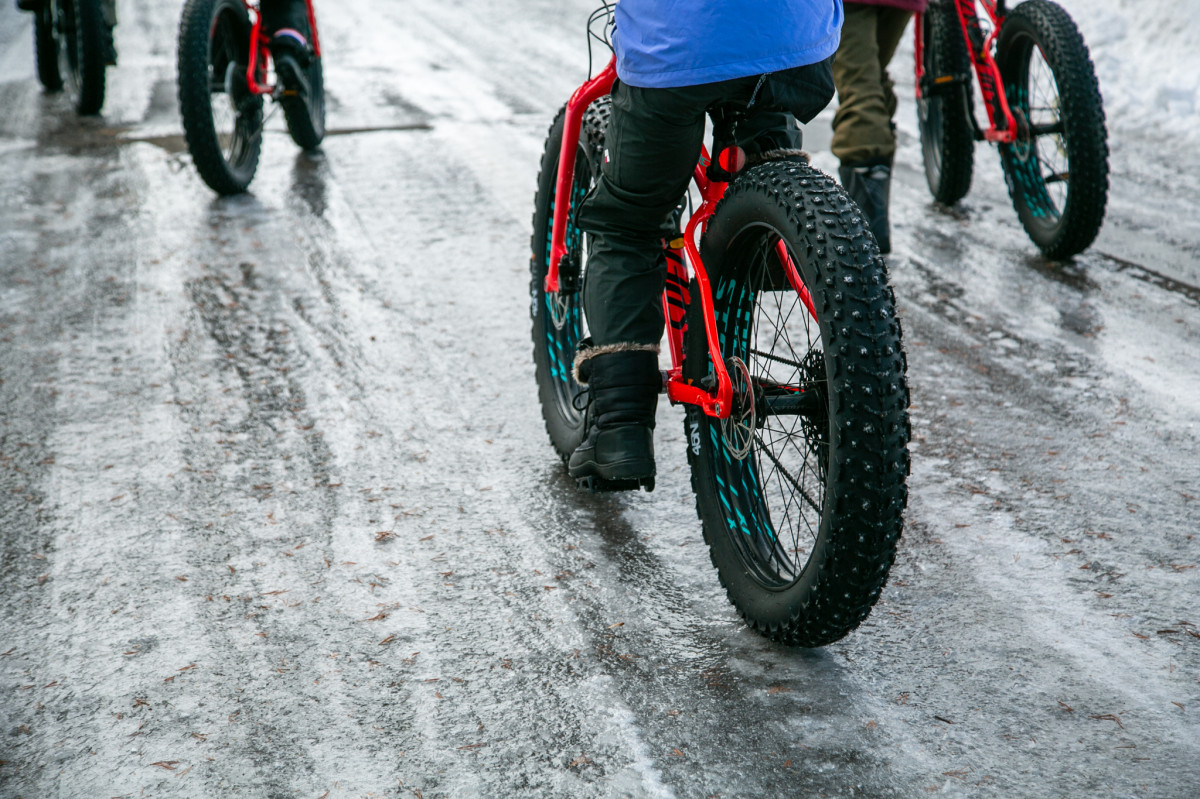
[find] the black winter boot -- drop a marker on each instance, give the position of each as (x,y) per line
(291,54)
(623,384)
(869,185)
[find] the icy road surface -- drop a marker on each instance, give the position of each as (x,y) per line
(278,517)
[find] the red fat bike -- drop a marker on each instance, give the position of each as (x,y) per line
(1044,111)
(223,80)
(785,353)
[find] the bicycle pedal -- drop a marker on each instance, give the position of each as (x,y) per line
(597,485)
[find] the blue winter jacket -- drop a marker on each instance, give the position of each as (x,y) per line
(666,43)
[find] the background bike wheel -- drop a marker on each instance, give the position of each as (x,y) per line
(803,528)
(222,120)
(306,121)
(45,49)
(944,108)
(79,25)
(558,323)
(1057,170)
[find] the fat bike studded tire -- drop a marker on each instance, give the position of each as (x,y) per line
(306,118)
(801,492)
(222,120)
(1057,169)
(944,107)
(45,49)
(82,47)
(558,323)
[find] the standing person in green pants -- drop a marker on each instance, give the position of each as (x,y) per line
(864,138)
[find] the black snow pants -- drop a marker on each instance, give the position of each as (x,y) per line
(651,148)
(279,14)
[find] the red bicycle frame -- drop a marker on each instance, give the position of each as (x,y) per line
(682,254)
(260,52)
(1002,126)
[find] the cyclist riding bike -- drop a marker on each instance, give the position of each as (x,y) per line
(676,62)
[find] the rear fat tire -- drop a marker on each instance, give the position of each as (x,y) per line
(554,348)
(45,49)
(1067,226)
(203,24)
(306,120)
(944,117)
(857,441)
(82,52)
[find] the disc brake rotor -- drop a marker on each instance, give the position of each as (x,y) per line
(737,430)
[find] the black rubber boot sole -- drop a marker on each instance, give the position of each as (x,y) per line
(598,485)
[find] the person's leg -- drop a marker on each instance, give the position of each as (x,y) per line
(286,23)
(652,145)
(860,125)
(889,30)
(279,15)
(862,131)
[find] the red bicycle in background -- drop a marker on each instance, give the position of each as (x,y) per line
(785,353)
(1045,112)
(223,79)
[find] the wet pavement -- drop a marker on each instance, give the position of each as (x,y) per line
(278,516)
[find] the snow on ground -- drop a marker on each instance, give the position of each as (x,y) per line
(1147,57)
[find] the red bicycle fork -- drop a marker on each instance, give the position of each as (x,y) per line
(718,404)
(1002,127)
(260,52)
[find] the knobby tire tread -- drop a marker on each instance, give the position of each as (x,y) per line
(45,50)
(306,121)
(91,35)
(954,138)
(1082,111)
(195,106)
(866,487)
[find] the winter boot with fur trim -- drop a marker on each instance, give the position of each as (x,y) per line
(623,384)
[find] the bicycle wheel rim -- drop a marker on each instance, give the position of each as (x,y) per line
(929,115)
(774,499)
(1040,157)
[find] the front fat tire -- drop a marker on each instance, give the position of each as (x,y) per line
(944,112)
(1066,226)
(306,120)
(554,347)
(200,25)
(859,433)
(86,64)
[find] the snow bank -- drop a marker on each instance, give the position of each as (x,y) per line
(1147,56)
